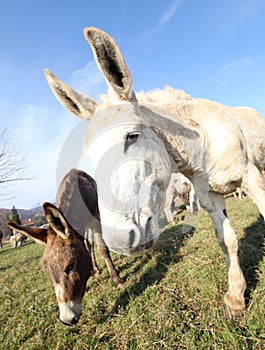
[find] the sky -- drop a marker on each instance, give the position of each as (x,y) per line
(208,48)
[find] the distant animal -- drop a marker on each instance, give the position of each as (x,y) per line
(66,258)
(135,141)
(239,193)
(180,187)
(17,239)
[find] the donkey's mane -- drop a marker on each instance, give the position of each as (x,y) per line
(177,102)
(168,98)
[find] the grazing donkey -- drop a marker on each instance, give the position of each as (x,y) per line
(17,239)
(66,258)
(136,141)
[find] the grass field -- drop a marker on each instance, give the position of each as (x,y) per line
(172,299)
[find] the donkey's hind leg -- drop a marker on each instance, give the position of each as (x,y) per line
(89,242)
(253,184)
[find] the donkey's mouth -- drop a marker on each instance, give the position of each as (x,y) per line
(70,313)
(131,237)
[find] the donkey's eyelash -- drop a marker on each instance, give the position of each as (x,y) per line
(130,139)
(69,268)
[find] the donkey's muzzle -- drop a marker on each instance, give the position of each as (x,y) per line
(72,323)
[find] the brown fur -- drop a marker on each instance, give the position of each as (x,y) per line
(77,198)
(64,247)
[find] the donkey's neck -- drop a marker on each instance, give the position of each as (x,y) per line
(181,140)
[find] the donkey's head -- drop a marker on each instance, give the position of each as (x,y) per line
(65,259)
(132,165)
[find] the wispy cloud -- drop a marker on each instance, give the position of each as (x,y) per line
(40,134)
(169,13)
(166,16)
(229,14)
(234,68)
(226,76)
(43,131)
(88,80)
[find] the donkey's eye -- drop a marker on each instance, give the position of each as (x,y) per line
(69,268)
(130,139)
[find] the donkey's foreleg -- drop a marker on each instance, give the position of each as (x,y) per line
(167,206)
(253,185)
(105,254)
(89,241)
(234,298)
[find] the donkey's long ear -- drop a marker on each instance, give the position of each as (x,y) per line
(38,234)
(57,221)
(76,102)
(110,62)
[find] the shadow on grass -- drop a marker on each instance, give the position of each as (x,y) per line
(166,251)
(251,252)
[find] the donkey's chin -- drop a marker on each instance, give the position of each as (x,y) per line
(127,237)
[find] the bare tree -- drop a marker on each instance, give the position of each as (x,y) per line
(12,167)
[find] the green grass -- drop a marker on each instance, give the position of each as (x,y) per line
(172,299)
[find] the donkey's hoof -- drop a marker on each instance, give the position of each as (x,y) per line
(234,306)
(230,314)
(120,285)
(96,271)
(118,281)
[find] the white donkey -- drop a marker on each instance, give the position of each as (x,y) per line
(136,142)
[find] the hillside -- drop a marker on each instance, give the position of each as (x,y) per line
(25,213)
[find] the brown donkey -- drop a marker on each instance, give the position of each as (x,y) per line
(66,258)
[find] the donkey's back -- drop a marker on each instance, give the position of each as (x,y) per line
(77,198)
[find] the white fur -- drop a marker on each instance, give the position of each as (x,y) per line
(17,239)
(68,309)
(125,207)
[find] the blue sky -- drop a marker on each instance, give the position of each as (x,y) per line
(209,48)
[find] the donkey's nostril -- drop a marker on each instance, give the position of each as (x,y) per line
(148,225)
(131,237)
(74,320)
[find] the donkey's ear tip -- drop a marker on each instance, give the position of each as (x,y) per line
(92,33)
(47,205)
(86,31)
(48,73)
(9,223)
(90,29)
